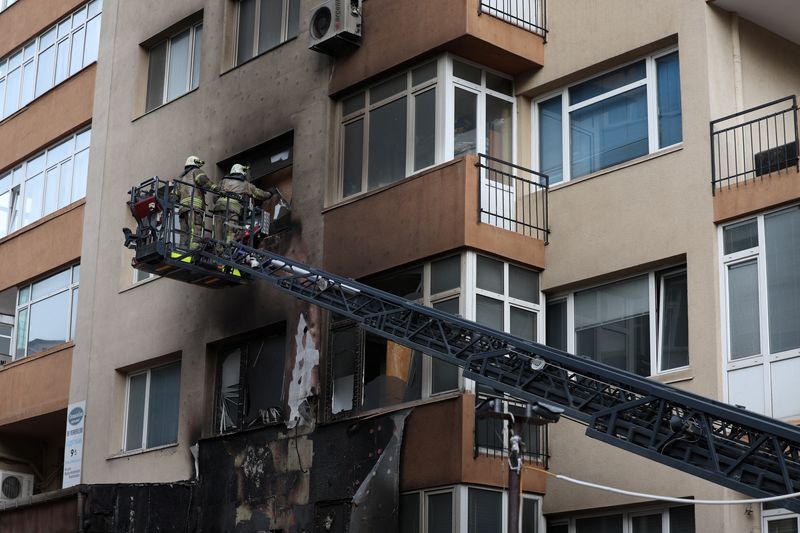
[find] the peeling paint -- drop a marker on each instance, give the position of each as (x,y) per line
(302,387)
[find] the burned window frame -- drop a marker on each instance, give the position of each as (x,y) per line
(275,331)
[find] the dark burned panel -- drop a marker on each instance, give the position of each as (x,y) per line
(167,508)
(332,517)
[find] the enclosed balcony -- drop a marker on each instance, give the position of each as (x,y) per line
(754,159)
(505,35)
(472,202)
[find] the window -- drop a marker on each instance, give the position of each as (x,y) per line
(442,511)
(6,328)
(659,520)
(45,313)
(249,389)
(151,408)
(777,520)
(639,324)
(174,67)
(48,181)
(50,58)
(263,25)
(507,297)
(761,292)
(612,118)
(397,127)
(368,372)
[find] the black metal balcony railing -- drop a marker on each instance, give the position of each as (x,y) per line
(530,15)
(754,142)
(491,434)
(512,197)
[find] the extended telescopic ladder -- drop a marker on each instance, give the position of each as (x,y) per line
(744,451)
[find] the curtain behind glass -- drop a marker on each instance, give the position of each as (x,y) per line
(387,144)
(484,510)
(551,141)
(162,411)
(440,513)
(669,100)
(743,316)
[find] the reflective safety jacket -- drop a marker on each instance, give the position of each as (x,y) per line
(190,196)
(237,184)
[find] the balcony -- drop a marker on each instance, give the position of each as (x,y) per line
(491,434)
(472,202)
(754,159)
(506,35)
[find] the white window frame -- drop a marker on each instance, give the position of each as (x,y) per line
(189,86)
(650,80)
(285,30)
(30,52)
(74,283)
(627,518)
(19,180)
(445,83)
(774,515)
(765,358)
(655,310)
(145,420)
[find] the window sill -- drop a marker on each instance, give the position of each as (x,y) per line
(626,164)
(674,376)
(187,93)
(35,224)
(381,411)
(131,453)
(258,56)
(36,356)
(136,284)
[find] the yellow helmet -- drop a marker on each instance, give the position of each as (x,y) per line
(239,169)
(194,161)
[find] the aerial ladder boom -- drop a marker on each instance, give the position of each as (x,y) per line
(750,453)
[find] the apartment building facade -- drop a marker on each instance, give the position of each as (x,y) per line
(48,54)
(547,170)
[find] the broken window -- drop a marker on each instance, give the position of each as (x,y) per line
(250,382)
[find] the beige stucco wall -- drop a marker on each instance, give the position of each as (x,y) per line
(228,113)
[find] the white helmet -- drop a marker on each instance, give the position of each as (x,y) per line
(238,169)
(194,161)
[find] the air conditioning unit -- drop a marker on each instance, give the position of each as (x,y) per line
(335,27)
(14,485)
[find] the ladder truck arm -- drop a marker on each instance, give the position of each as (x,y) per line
(744,451)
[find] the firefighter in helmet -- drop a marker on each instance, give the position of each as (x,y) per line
(190,190)
(228,209)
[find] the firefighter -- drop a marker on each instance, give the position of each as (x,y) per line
(190,190)
(228,210)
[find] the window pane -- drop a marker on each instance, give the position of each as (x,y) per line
(95,7)
(600,524)
(647,524)
(198,48)
(92,41)
(32,204)
(490,274)
(5,342)
(681,519)
(163,405)
(76,274)
(74,315)
(353,104)
(612,302)
(178,77)
(607,82)
(49,323)
(387,144)
(559,528)
(294,18)
(50,285)
(741,236)
(499,84)
(484,510)
(523,284)
(743,312)
(270,24)
(5,212)
(155,76)
(266,357)
(247,35)
(79,18)
(551,154)
(344,343)
(784,525)
(407,283)
(353,158)
(446,274)
(444,376)
(423,73)
(62,60)
(229,391)
(23,295)
(530,518)
(137,386)
(51,190)
(22,332)
(82,139)
(65,185)
(75,62)
(409,513)
(489,312)
(556,326)
(12,92)
(523,323)
(782,235)
(81,171)
(424,129)
(440,513)
(392,373)
(669,100)
(28,82)
(44,71)
(609,132)
(465,121)
(674,322)
(388,88)
(467,72)
(499,128)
